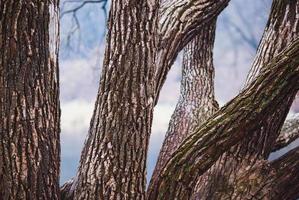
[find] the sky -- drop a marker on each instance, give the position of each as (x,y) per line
(239,29)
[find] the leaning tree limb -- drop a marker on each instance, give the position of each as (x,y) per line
(222,177)
(197,99)
(121,123)
(179,22)
(234,121)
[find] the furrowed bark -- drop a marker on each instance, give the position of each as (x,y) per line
(197,101)
(238,119)
(67,190)
(288,134)
(181,21)
(221,181)
(113,161)
(281,30)
(29,100)
(287,177)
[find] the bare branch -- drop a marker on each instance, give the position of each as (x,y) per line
(82,4)
(73,12)
(67,190)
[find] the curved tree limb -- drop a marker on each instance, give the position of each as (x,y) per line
(197,99)
(180,21)
(229,125)
(222,178)
(130,63)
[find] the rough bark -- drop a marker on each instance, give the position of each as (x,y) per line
(113,161)
(29,100)
(136,63)
(286,179)
(221,181)
(197,101)
(181,21)
(235,121)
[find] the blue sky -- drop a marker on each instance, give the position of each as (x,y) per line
(239,29)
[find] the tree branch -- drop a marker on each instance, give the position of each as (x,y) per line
(197,98)
(231,124)
(180,22)
(288,134)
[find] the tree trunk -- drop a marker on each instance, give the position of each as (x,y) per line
(234,144)
(29,100)
(113,161)
(234,122)
(197,101)
(221,181)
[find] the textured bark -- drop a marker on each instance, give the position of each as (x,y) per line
(221,181)
(67,190)
(29,100)
(237,120)
(113,161)
(288,134)
(197,101)
(138,55)
(287,184)
(181,21)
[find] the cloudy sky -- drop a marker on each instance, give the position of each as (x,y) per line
(239,30)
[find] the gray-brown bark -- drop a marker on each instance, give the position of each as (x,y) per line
(238,119)
(136,63)
(222,178)
(113,160)
(287,176)
(29,100)
(181,21)
(197,101)
(214,183)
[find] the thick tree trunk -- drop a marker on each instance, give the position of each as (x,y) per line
(237,120)
(221,181)
(29,100)
(197,101)
(113,161)
(136,63)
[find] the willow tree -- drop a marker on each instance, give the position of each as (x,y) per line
(208,153)
(29,100)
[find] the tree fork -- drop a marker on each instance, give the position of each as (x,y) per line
(229,125)
(197,99)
